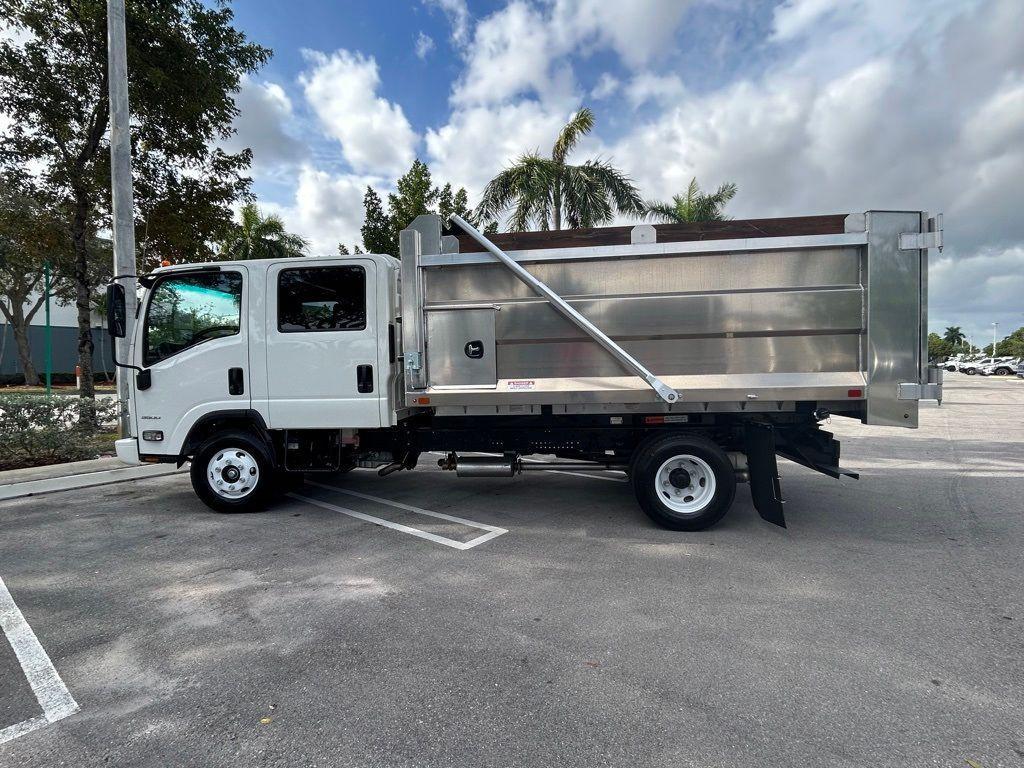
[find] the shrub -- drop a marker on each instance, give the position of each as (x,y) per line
(37,430)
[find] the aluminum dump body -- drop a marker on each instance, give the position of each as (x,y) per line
(762,315)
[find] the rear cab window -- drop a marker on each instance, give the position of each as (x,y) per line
(321,299)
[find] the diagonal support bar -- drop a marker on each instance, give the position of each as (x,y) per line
(665,392)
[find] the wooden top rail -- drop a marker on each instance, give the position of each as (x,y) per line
(734,229)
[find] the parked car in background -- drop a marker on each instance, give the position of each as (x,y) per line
(1006,366)
(970,365)
(1020,370)
(951,364)
(989,366)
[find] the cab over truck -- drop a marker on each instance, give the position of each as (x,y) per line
(688,356)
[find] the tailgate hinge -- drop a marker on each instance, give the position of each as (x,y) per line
(917,241)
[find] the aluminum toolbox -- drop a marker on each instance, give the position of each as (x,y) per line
(755,315)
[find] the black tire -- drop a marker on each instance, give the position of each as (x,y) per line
(1003,371)
(249,452)
(971,371)
(661,501)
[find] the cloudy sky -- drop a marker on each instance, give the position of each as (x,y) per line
(810,106)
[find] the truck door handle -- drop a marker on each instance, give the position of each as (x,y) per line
(364,378)
(236,381)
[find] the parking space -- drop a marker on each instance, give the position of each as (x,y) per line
(423,619)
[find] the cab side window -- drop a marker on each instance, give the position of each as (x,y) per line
(321,299)
(188,310)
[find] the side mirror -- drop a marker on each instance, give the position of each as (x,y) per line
(117,325)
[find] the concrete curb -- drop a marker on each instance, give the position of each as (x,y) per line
(70,482)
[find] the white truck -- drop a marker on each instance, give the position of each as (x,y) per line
(688,356)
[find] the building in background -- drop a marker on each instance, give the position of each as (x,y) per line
(64,329)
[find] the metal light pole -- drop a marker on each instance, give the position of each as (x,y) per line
(995,327)
(121,188)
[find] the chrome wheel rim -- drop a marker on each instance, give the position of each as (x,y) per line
(233,473)
(685,484)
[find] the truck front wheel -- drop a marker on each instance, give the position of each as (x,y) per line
(232,472)
(683,483)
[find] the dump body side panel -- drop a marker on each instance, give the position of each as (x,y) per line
(732,323)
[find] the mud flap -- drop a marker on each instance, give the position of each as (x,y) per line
(765,488)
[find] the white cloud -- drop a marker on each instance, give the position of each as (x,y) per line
(796,17)
(606,86)
(974,292)
(265,112)
(458,16)
(374,133)
(424,45)
(997,125)
(327,209)
(512,54)
(522,48)
(638,31)
(664,90)
(479,141)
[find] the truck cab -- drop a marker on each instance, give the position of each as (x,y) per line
(282,343)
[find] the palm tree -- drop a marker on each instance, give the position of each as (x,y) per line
(547,191)
(261,237)
(694,206)
(954,336)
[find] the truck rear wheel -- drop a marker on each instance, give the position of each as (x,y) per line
(232,472)
(683,483)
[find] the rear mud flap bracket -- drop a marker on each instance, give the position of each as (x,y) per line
(765,486)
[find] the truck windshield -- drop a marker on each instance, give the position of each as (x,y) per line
(190,309)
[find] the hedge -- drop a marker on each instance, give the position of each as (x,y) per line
(36,430)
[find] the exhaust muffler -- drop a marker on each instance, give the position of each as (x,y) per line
(481,466)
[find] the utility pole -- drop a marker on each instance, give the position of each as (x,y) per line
(995,328)
(121,188)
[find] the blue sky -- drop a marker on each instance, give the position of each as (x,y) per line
(810,106)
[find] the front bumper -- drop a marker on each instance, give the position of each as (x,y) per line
(127,450)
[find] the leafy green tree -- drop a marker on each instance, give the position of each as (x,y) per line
(261,237)
(938,347)
(30,234)
(693,206)
(185,61)
(1013,344)
(415,195)
(449,204)
(954,336)
(343,250)
(378,230)
(547,192)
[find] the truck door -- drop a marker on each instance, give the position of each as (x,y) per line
(194,349)
(322,331)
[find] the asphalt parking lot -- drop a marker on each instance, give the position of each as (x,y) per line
(544,621)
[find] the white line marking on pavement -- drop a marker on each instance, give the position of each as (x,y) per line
(592,477)
(50,691)
(12,732)
(492,530)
